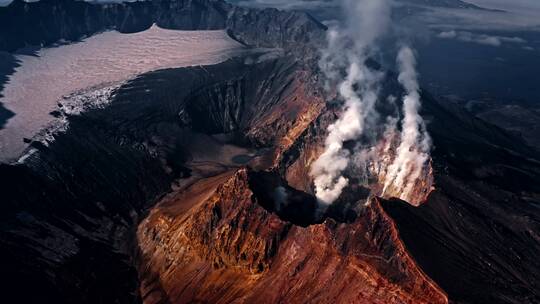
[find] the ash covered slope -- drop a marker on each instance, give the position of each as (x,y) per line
(477,234)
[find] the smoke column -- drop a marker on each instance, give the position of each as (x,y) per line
(412,154)
(348,49)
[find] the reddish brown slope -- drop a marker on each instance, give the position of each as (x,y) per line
(227,248)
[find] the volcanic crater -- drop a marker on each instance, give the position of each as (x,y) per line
(193,185)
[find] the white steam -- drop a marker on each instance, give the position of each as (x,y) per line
(280,197)
(412,154)
(357,87)
(348,50)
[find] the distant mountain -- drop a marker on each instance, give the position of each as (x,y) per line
(328,10)
(314,4)
(45,22)
(442,3)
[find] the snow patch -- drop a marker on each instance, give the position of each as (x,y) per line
(62,74)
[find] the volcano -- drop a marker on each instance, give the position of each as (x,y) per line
(192,184)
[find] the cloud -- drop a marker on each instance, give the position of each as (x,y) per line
(280,196)
(448,35)
(525,7)
(478,20)
(289,4)
(480,38)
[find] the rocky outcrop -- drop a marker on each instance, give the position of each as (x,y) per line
(46,22)
(226,248)
(295,32)
(268,106)
(8,63)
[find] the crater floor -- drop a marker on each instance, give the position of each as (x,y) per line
(43,78)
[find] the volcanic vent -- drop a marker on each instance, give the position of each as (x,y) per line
(228,248)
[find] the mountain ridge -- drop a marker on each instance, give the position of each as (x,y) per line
(125,195)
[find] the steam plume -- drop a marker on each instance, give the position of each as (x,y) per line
(412,153)
(348,49)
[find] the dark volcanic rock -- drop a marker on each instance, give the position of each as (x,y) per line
(71,231)
(191,14)
(5,115)
(45,22)
(477,235)
(8,63)
(292,31)
(48,21)
(522,120)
